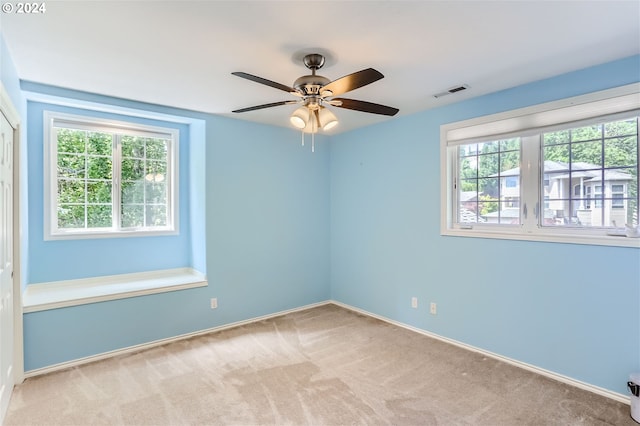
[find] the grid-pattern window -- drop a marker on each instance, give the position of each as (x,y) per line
(488,178)
(144,186)
(84,178)
(563,171)
(109,178)
(605,153)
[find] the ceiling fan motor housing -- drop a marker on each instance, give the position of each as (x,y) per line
(313,61)
(310,84)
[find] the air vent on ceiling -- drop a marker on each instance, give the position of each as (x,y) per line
(452,90)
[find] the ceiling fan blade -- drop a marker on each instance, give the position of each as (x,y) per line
(264,81)
(253,108)
(366,106)
(351,82)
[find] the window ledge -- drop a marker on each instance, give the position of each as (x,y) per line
(60,294)
(567,238)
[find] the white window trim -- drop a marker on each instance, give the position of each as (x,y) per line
(524,122)
(51,231)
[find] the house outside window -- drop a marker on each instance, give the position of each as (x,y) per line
(618,196)
(586,181)
(108,178)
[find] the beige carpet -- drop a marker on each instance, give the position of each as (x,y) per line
(322,366)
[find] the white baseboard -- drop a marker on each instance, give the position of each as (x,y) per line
(547,373)
(155,343)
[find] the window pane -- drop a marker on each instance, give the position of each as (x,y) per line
(586,133)
(71,141)
(156,215)
(132,147)
(157,149)
(590,191)
(156,193)
(553,138)
(489,177)
(509,215)
(620,151)
(99,167)
(468,213)
(99,143)
(132,192)
(489,209)
(144,189)
(132,169)
(488,165)
(489,187)
(99,192)
(487,147)
(559,153)
(587,152)
(156,171)
(132,215)
(621,128)
(71,191)
(99,216)
(469,185)
(510,145)
(84,170)
(510,160)
(468,150)
(71,166)
(70,216)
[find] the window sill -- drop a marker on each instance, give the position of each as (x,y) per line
(84,235)
(61,294)
(598,240)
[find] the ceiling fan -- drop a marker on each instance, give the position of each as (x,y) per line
(315,92)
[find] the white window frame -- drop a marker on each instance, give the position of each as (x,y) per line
(529,122)
(51,230)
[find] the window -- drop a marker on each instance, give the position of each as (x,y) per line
(108,178)
(488,175)
(597,195)
(617,197)
(533,173)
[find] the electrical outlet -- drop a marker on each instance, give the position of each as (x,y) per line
(433,308)
(214,302)
(414,302)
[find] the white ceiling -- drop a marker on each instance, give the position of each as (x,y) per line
(182,53)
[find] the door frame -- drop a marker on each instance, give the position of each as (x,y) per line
(11,113)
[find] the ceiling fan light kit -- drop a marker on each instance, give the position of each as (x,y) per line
(314,92)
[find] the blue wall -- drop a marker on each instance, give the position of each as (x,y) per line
(571,309)
(9,75)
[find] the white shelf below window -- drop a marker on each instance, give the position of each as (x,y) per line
(60,294)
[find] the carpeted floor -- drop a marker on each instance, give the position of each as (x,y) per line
(322,366)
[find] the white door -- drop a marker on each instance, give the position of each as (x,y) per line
(6,263)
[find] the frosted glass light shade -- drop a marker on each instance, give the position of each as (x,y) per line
(300,117)
(327,119)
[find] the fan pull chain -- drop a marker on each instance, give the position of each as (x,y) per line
(313,142)
(302,132)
